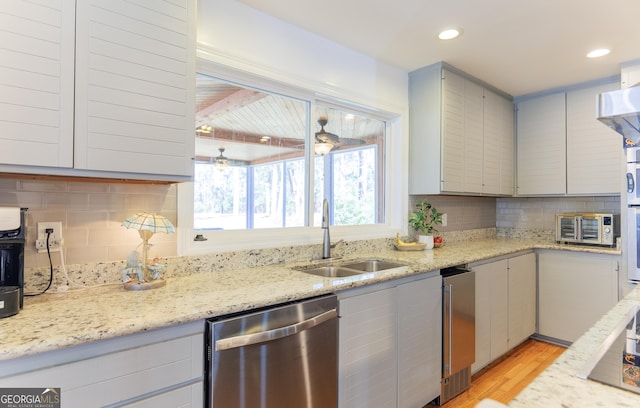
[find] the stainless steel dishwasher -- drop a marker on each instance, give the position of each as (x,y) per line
(279,357)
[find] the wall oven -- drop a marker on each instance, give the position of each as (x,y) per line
(633,175)
(633,241)
(633,213)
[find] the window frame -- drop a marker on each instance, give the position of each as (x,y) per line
(395,196)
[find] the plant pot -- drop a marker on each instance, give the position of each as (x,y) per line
(426,239)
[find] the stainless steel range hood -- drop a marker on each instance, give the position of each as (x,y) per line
(620,110)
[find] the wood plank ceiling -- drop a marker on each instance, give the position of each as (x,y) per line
(256,127)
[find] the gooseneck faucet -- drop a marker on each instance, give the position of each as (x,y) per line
(326,243)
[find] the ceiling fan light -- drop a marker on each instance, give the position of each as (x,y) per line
(323,148)
(221,162)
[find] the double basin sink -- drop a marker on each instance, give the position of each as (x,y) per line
(350,268)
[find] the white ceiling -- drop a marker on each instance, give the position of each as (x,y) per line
(519,46)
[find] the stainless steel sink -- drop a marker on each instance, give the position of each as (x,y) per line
(350,269)
(372,265)
(330,271)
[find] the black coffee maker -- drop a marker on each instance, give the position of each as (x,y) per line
(12,239)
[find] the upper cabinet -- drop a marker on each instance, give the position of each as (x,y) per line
(106,90)
(36,82)
(562,149)
(461,135)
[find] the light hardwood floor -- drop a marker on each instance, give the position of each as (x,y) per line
(504,379)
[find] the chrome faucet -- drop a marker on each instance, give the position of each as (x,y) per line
(326,243)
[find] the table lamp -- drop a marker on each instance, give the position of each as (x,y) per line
(145,276)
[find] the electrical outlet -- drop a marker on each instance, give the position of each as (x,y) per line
(444,220)
(55,238)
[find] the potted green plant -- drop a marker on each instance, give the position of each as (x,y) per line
(423,222)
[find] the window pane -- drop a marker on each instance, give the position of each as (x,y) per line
(354,187)
(252,143)
(220,198)
(268,196)
(294,193)
(350,174)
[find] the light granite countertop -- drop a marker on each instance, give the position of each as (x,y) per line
(54,321)
(558,386)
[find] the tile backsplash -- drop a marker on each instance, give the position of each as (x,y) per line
(538,213)
(463,213)
(91,214)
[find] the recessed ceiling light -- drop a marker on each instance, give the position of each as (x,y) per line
(449,34)
(598,53)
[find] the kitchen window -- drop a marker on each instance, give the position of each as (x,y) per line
(266,157)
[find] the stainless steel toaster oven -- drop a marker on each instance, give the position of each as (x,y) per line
(588,228)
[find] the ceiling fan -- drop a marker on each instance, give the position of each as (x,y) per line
(326,141)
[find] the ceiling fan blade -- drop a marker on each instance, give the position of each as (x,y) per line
(325,137)
(345,141)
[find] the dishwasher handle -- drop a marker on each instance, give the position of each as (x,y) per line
(274,334)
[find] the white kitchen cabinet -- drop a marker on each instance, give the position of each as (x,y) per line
(112,94)
(159,368)
(36,83)
(419,341)
(562,149)
(454,122)
(491,312)
(594,152)
(523,298)
(498,173)
(505,306)
(390,344)
(575,291)
(541,152)
(367,374)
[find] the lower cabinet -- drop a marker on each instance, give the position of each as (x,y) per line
(390,346)
(575,291)
(505,306)
(159,368)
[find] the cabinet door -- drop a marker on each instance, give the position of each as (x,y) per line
(135,84)
(462,134)
(491,147)
(491,312)
(541,152)
(419,341)
(473,137)
(594,152)
(36,83)
(575,290)
(124,375)
(453,132)
(368,350)
(498,146)
(506,145)
(522,298)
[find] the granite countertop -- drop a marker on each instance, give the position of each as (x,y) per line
(54,321)
(558,386)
